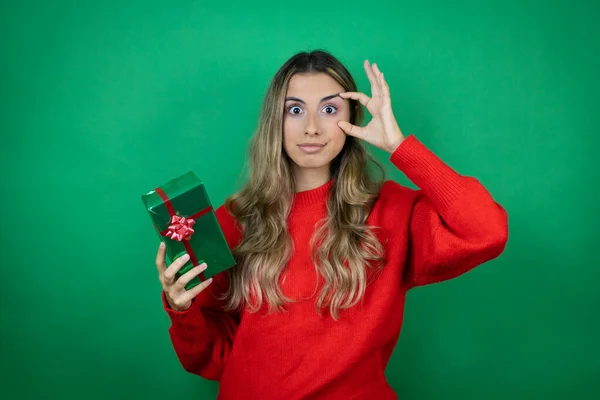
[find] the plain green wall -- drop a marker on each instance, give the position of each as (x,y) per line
(101,101)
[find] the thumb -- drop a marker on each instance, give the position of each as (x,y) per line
(350,129)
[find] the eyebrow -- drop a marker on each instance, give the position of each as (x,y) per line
(331,96)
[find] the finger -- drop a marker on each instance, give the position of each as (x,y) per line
(361,97)
(385,93)
(188,276)
(171,271)
(352,130)
(380,80)
(377,72)
(375,89)
(193,292)
(160,258)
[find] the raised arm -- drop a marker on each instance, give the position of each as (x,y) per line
(455,223)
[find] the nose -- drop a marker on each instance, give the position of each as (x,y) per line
(311,125)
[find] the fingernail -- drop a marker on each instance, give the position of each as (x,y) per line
(203,266)
(186,257)
(162,245)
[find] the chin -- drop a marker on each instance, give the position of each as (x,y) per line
(312,164)
(312,160)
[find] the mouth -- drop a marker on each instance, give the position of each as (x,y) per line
(311,148)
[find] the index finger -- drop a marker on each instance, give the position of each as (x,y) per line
(361,97)
(160,258)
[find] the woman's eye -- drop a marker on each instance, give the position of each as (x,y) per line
(330,109)
(295,110)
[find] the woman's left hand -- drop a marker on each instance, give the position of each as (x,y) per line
(382,131)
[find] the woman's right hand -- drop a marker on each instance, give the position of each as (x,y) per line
(178,297)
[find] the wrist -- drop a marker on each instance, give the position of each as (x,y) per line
(392,149)
(170,304)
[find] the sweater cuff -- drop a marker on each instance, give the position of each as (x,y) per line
(436,179)
(190,321)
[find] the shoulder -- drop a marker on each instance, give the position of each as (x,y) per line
(224,215)
(394,204)
(391,213)
(395,195)
(231,228)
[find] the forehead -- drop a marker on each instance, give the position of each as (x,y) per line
(313,86)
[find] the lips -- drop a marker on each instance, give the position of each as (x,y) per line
(311,144)
(311,147)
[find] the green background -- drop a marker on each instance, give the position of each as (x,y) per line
(102,101)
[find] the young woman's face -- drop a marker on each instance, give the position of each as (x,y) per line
(311,136)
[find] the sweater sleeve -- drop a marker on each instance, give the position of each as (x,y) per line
(202,336)
(455,224)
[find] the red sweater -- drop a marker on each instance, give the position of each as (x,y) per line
(444,229)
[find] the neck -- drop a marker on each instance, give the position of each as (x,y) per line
(311,178)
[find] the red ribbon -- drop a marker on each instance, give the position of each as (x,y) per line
(180,228)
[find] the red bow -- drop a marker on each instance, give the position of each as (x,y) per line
(180,228)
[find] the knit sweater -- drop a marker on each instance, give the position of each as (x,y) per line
(446,227)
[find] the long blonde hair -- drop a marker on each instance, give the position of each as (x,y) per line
(343,247)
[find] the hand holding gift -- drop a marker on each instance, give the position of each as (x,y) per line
(191,237)
(178,297)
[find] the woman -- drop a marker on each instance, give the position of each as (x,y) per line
(325,253)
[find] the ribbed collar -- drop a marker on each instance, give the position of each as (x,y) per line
(312,199)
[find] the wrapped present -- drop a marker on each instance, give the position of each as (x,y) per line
(184,219)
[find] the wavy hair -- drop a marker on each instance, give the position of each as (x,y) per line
(344,248)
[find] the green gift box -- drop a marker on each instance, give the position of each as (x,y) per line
(185,221)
